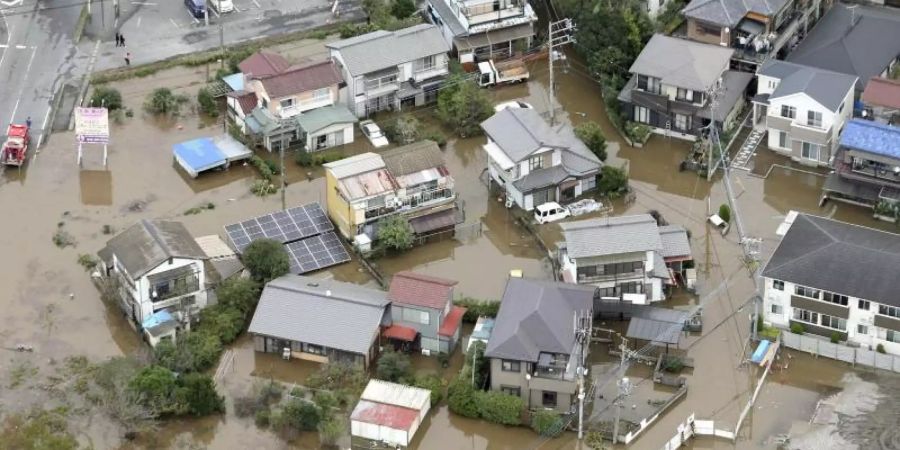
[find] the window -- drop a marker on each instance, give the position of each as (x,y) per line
(634,287)
(588,184)
(286,103)
(648,84)
(806,292)
(783,139)
(682,122)
(587,271)
(837,299)
(511,390)
(814,119)
(841,108)
(778,284)
(889,311)
(314,349)
(265,103)
(322,94)
(834,322)
(427,63)
(686,95)
(806,316)
(707,29)
(641,114)
(810,151)
(889,335)
(862,329)
(863,304)
(548,399)
(508,365)
(788,112)
(535,163)
(777,310)
(415,316)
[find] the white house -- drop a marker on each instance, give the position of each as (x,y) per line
(535,163)
(803,109)
(479,29)
(391,70)
(157,266)
(389,412)
(625,257)
(835,277)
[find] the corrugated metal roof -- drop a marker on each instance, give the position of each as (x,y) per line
(396,394)
(390,416)
(325,116)
(214,246)
(382,49)
(417,289)
(148,243)
(355,165)
(682,63)
(654,330)
(675,241)
(611,236)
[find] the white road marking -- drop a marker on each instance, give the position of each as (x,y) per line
(20,47)
(236,9)
(3,45)
(46,119)
(174,23)
(215,13)
(22,89)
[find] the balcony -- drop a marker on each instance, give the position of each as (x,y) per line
(554,367)
(419,199)
(382,84)
(424,72)
(162,290)
(477,14)
(595,278)
(301,107)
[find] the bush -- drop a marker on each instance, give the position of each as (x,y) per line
(88,262)
(325,400)
(592,135)
(394,367)
(262,417)
(482,365)
(263,167)
(163,101)
(198,393)
(224,322)
(38,429)
(263,188)
(547,423)
(155,387)
(475,308)
(335,376)
(463,105)
(301,415)
(331,429)
(637,132)
(613,180)
(797,328)
(434,384)
(395,233)
(107,97)
(462,398)
(725,212)
(303,158)
(435,135)
(835,337)
(405,129)
(402,9)
(208,104)
(266,260)
(239,293)
(502,408)
(194,352)
(880,348)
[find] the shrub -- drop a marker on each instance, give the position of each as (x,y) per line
(303,158)
(613,180)
(222,321)
(592,135)
(88,262)
(194,352)
(262,417)
(325,400)
(263,188)
(434,384)
(38,429)
(637,132)
(835,337)
(462,398)
(393,366)
(435,135)
(239,293)
(335,375)
(499,407)
(475,308)
(266,260)
(301,415)
(263,167)
(547,423)
(405,129)
(402,9)
(163,101)
(462,105)
(198,393)
(395,233)
(107,97)
(880,348)
(482,365)
(208,104)
(154,387)
(797,328)
(444,359)
(725,212)
(331,429)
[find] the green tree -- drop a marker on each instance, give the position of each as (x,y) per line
(401,9)
(404,130)
(475,359)
(37,430)
(434,384)
(613,180)
(462,398)
(395,233)
(238,293)
(393,366)
(547,423)
(208,104)
(725,212)
(162,101)
(195,351)
(266,260)
(197,392)
(301,415)
(332,428)
(224,322)
(499,407)
(378,13)
(106,97)
(463,105)
(155,387)
(592,135)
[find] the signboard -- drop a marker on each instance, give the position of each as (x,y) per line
(92,125)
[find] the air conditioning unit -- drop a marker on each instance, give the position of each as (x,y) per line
(426,352)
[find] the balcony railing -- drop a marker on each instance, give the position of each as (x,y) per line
(300,107)
(383,84)
(425,72)
(415,200)
(165,289)
(585,278)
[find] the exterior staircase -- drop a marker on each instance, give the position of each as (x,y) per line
(742,159)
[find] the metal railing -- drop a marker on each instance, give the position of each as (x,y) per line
(610,277)
(382,83)
(415,200)
(178,287)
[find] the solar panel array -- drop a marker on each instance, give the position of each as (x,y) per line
(316,252)
(306,232)
(283,226)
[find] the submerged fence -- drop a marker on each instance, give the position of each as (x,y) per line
(821,347)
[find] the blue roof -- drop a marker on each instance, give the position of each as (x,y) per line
(872,137)
(235,81)
(158,318)
(199,154)
(760,352)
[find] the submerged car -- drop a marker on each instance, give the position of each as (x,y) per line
(373,133)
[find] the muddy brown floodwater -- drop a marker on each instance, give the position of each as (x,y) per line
(48,301)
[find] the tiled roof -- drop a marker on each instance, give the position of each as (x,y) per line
(824,86)
(262,64)
(452,321)
(301,79)
(872,137)
(382,49)
(682,63)
(882,92)
(416,289)
(611,236)
(247,101)
(149,243)
(416,157)
(730,12)
(675,241)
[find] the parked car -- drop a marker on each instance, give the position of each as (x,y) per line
(512,104)
(550,212)
(373,133)
(222,6)
(197,8)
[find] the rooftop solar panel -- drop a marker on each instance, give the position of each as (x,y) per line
(317,252)
(283,226)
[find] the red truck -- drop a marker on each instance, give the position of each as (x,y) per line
(15,148)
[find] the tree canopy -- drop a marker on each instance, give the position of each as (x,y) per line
(592,135)
(463,105)
(395,233)
(266,259)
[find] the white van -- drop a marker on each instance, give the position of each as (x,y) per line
(222,6)
(550,212)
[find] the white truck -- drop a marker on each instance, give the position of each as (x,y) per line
(509,71)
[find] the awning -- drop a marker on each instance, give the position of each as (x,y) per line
(751,27)
(452,321)
(400,333)
(654,330)
(436,221)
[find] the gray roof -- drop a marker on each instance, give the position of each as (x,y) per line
(611,236)
(541,178)
(330,313)
(824,86)
(412,158)
(536,316)
(735,86)
(864,48)
(382,49)
(659,267)
(443,10)
(675,241)
(654,330)
(730,12)
(682,63)
(149,243)
(325,116)
(838,257)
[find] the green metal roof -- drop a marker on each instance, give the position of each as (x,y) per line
(320,118)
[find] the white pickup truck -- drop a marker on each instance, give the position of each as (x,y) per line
(510,71)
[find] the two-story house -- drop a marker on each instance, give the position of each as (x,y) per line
(533,348)
(295,105)
(803,109)
(157,265)
(867,165)
(411,180)
(535,163)
(479,30)
(835,277)
(757,30)
(626,257)
(882,101)
(671,84)
(391,70)
(422,313)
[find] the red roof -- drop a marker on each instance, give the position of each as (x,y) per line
(882,92)
(263,64)
(400,332)
(415,289)
(452,321)
(246,100)
(301,79)
(391,416)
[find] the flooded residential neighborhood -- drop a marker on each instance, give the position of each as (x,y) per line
(484,259)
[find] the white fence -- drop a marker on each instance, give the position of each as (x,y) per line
(821,347)
(692,427)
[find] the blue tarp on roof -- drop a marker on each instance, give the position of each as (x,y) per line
(235,81)
(198,155)
(872,137)
(158,318)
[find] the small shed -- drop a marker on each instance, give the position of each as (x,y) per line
(389,412)
(200,155)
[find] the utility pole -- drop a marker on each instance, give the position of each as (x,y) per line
(560,33)
(583,338)
(625,388)
(206,13)
(283,184)
(222,43)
